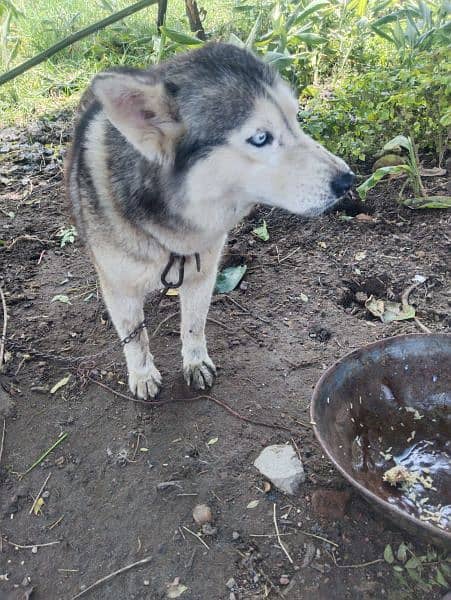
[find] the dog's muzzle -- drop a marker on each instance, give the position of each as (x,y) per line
(342,183)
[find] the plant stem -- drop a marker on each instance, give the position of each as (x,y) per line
(75,37)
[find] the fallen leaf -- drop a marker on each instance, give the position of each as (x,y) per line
(38,505)
(212,441)
(61,298)
(360,256)
(388,311)
(262,232)
(253,504)
(229,278)
(59,384)
(176,589)
(304,298)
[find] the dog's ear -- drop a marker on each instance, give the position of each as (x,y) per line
(143,111)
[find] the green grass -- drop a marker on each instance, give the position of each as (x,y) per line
(58,82)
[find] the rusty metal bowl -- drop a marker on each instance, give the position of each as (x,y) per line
(389,404)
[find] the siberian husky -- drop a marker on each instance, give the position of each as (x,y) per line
(164,162)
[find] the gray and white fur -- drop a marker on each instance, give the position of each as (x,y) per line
(169,159)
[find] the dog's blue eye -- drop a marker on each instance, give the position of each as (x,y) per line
(262,138)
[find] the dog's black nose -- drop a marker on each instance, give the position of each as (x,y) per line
(342,183)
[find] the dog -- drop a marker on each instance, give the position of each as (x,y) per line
(164,162)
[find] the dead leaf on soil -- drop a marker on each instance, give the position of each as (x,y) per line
(253,504)
(388,311)
(176,589)
(37,506)
(59,384)
(212,441)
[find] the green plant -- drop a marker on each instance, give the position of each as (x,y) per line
(8,12)
(412,169)
(415,26)
(67,235)
(425,572)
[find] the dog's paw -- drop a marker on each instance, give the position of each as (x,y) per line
(200,375)
(145,385)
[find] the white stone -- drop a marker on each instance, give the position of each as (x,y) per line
(281,465)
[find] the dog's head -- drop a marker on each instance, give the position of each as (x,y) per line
(227,123)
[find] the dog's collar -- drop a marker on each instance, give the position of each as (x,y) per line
(181,258)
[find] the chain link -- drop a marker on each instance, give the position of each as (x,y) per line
(127,339)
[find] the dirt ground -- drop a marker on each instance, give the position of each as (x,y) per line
(108,502)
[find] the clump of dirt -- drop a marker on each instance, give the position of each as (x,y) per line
(124,482)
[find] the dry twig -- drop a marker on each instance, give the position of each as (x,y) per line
(111,575)
(278,535)
(196,536)
(224,405)
(421,325)
(318,537)
(30,546)
(3,439)
(5,322)
(39,493)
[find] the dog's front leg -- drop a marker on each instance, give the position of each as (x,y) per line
(195,296)
(125,307)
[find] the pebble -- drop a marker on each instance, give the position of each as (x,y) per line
(235,535)
(281,465)
(202,514)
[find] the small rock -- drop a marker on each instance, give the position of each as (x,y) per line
(284,580)
(330,504)
(235,535)
(202,514)
(146,582)
(231,583)
(281,465)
